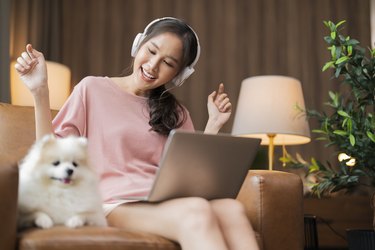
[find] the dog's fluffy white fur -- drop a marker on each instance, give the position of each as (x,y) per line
(57,185)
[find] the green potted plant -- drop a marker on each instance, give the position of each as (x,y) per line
(349,127)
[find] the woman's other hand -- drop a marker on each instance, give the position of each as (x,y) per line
(219,110)
(31,67)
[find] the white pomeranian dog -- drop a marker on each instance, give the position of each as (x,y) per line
(57,185)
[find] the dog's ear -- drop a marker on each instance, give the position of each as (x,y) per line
(82,141)
(47,140)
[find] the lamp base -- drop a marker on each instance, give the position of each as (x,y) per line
(271,149)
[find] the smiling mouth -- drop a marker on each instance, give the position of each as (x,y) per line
(147,75)
(63,180)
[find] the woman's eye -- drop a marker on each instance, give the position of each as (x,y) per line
(151,51)
(168,64)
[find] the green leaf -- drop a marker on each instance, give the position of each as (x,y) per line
(328,39)
(313,168)
(318,131)
(342,59)
(338,71)
(314,164)
(343,113)
(329,24)
(344,122)
(340,23)
(350,125)
(338,51)
(332,95)
(335,98)
(350,50)
(333,51)
(352,139)
(371,136)
(340,132)
(284,159)
(328,65)
(333,35)
(352,42)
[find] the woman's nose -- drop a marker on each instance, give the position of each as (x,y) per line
(153,64)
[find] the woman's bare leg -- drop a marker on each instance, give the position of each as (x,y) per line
(235,227)
(189,221)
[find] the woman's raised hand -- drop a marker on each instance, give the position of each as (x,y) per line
(31,67)
(219,110)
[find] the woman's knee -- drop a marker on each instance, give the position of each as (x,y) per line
(229,207)
(197,215)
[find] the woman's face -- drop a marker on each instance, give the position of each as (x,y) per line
(158,61)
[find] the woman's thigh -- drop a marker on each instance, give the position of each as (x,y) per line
(165,218)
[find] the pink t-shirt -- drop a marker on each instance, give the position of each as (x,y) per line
(122,148)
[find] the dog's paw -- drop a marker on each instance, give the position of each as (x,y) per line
(99,221)
(42,220)
(75,221)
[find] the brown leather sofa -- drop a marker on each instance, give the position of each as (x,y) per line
(273,200)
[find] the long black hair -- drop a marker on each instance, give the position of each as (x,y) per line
(166,113)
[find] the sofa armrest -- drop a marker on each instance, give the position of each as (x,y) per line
(274,205)
(8,205)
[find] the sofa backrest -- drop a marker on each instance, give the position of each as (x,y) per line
(17,132)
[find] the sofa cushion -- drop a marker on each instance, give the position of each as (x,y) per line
(91,238)
(8,206)
(17,131)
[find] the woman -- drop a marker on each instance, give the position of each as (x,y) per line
(127,120)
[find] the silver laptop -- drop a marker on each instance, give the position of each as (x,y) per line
(202,165)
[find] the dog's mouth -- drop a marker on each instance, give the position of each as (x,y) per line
(63,180)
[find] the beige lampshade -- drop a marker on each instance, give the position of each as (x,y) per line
(59,79)
(268,105)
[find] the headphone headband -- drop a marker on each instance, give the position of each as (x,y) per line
(186,72)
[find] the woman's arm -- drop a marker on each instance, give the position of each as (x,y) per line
(219,110)
(32,70)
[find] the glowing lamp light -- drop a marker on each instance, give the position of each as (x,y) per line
(350,161)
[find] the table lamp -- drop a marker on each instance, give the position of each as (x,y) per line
(59,79)
(272,108)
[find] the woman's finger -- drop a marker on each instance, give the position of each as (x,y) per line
(30,51)
(223,103)
(19,68)
(211,97)
(221,97)
(221,89)
(228,107)
(23,62)
(26,57)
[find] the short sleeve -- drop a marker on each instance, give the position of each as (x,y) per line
(71,119)
(188,124)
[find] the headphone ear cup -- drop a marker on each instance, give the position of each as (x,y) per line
(137,41)
(180,79)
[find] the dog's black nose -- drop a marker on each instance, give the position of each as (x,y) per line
(69,171)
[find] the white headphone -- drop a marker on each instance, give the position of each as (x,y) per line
(186,72)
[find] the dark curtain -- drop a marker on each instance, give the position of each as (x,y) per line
(239,38)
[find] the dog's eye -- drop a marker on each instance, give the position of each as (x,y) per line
(75,164)
(56,163)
